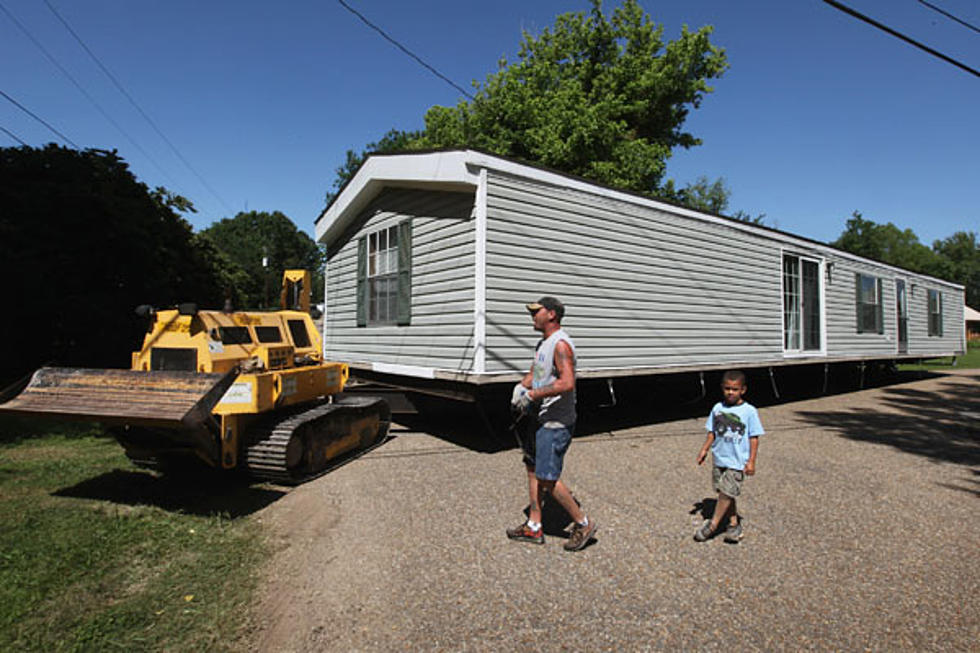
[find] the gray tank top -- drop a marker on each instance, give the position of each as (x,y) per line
(560,409)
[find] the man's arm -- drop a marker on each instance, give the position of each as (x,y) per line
(528,379)
(565,362)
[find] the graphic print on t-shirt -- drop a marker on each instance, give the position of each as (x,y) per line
(728,426)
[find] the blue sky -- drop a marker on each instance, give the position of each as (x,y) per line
(819,115)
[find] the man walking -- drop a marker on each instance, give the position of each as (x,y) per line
(550,388)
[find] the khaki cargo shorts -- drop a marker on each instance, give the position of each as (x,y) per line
(728,481)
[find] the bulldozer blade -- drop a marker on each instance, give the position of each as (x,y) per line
(121,397)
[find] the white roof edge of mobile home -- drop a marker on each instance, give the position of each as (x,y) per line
(444,169)
(970,315)
(460,169)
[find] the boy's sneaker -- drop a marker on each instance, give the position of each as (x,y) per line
(526,534)
(703,533)
(734,533)
(581,535)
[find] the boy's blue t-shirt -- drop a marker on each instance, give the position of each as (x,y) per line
(733,426)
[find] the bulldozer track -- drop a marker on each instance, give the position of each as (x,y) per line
(269,457)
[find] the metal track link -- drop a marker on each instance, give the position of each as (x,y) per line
(266,456)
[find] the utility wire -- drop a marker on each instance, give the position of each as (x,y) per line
(39,119)
(403,49)
(12,135)
(949,15)
(137,106)
(82,90)
(871,21)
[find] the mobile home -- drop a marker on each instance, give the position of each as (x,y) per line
(432,257)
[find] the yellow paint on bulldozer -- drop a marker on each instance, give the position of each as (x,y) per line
(203,377)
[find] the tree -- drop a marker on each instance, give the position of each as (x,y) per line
(247,239)
(86,243)
(888,244)
(709,196)
(955,259)
(601,98)
(393,141)
(960,254)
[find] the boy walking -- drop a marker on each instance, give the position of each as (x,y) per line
(733,437)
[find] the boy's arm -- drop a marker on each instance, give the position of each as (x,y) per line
(706,447)
(753,450)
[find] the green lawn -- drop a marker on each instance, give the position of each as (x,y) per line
(96,555)
(971,360)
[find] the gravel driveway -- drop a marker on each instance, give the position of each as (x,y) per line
(861,533)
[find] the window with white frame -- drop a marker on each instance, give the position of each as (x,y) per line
(935,313)
(801,304)
(382,275)
(868,306)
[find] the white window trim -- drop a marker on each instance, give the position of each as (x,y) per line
(480,280)
(929,314)
(822,296)
(908,315)
(389,274)
(879,292)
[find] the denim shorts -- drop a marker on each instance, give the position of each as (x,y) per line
(550,445)
(727,480)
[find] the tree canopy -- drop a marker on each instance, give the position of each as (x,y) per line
(85,243)
(602,98)
(956,258)
(248,239)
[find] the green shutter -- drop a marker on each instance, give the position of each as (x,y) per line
(362,284)
(405,272)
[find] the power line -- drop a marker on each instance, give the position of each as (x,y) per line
(403,49)
(13,136)
(949,15)
(39,119)
(137,106)
(82,90)
(873,22)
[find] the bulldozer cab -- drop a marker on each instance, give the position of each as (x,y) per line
(295,293)
(216,341)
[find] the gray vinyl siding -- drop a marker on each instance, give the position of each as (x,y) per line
(646,287)
(843,338)
(440,335)
(920,342)
(642,287)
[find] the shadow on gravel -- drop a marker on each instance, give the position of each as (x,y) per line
(197,495)
(484,425)
(942,425)
(705,507)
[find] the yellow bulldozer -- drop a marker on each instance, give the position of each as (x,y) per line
(235,390)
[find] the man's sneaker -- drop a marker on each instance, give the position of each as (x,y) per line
(704,532)
(734,533)
(581,535)
(526,534)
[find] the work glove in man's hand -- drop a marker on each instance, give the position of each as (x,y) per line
(520,400)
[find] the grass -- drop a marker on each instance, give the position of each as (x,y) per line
(96,555)
(969,361)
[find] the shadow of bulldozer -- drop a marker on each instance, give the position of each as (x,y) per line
(196,495)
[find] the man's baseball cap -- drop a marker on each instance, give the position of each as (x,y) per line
(549,303)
